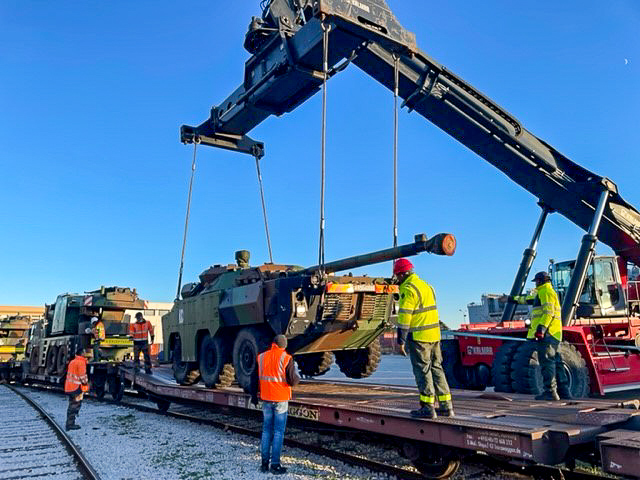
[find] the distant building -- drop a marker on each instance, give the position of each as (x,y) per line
(13,310)
(153,313)
(490,310)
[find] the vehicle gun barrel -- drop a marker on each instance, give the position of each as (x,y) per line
(440,244)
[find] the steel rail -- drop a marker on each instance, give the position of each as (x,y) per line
(490,465)
(82,463)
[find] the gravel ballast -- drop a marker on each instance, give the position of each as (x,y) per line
(124,444)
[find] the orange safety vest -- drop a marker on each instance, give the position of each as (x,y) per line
(140,330)
(272,368)
(77,375)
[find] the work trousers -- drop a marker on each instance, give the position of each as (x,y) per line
(96,351)
(553,374)
(273,426)
(75,402)
(144,348)
(426,360)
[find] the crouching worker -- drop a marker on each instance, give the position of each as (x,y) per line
(76,384)
(276,374)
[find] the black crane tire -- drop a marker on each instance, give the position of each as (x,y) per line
(215,369)
(526,376)
(314,364)
(183,372)
(575,367)
(451,363)
(359,363)
(249,342)
(502,367)
(116,388)
(61,360)
(51,362)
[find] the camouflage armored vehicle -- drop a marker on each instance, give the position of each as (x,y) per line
(67,324)
(223,321)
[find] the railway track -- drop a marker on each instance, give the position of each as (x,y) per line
(473,466)
(336,444)
(34,446)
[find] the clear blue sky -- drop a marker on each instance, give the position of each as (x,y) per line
(94,179)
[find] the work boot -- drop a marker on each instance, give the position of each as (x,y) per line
(72,427)
(426,411)
(264,468)
(565,393)
(550,395)
(445,409)
(278,469)
(147,371)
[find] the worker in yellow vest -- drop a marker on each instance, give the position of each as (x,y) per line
(276,375)
(419,330)
(99,335)
(76,384)
(546,329)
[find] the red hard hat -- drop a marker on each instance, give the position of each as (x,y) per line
(402,265)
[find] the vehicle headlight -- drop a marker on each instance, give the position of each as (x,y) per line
(300,310)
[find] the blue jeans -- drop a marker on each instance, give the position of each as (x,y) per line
(273,425)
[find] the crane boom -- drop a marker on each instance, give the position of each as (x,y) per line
(285,69)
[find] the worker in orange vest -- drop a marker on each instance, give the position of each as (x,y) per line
(76,384)
(140,331)
(276,375)
(99,335)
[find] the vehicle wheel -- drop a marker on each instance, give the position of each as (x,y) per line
(576,370)
(183,372)
(432,461)
(527,377)
(502,367)
(215,369)
(162,404)
(249,343)
(99,387)
(451,363)
(359,363)
(61,360)
(52,357)
(314,364)
(116,388)
(34,360)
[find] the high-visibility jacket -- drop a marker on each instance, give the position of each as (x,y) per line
(140,330)
(272,366)
(77,375)
(99,331)
(418,314)
(546,310)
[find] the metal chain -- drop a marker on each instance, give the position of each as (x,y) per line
(264,208)
(196,141)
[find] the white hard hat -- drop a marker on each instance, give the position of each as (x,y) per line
(94,319)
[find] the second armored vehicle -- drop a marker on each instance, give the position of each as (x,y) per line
(222,322)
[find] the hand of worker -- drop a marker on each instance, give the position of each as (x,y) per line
(540,332)
(153,339)
(403,350)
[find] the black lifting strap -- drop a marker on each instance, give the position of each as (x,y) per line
(264,208)
(196,141)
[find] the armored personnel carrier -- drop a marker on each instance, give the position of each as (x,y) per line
(67,325)
(223,321)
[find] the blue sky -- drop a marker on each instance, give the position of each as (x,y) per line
(94,179)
